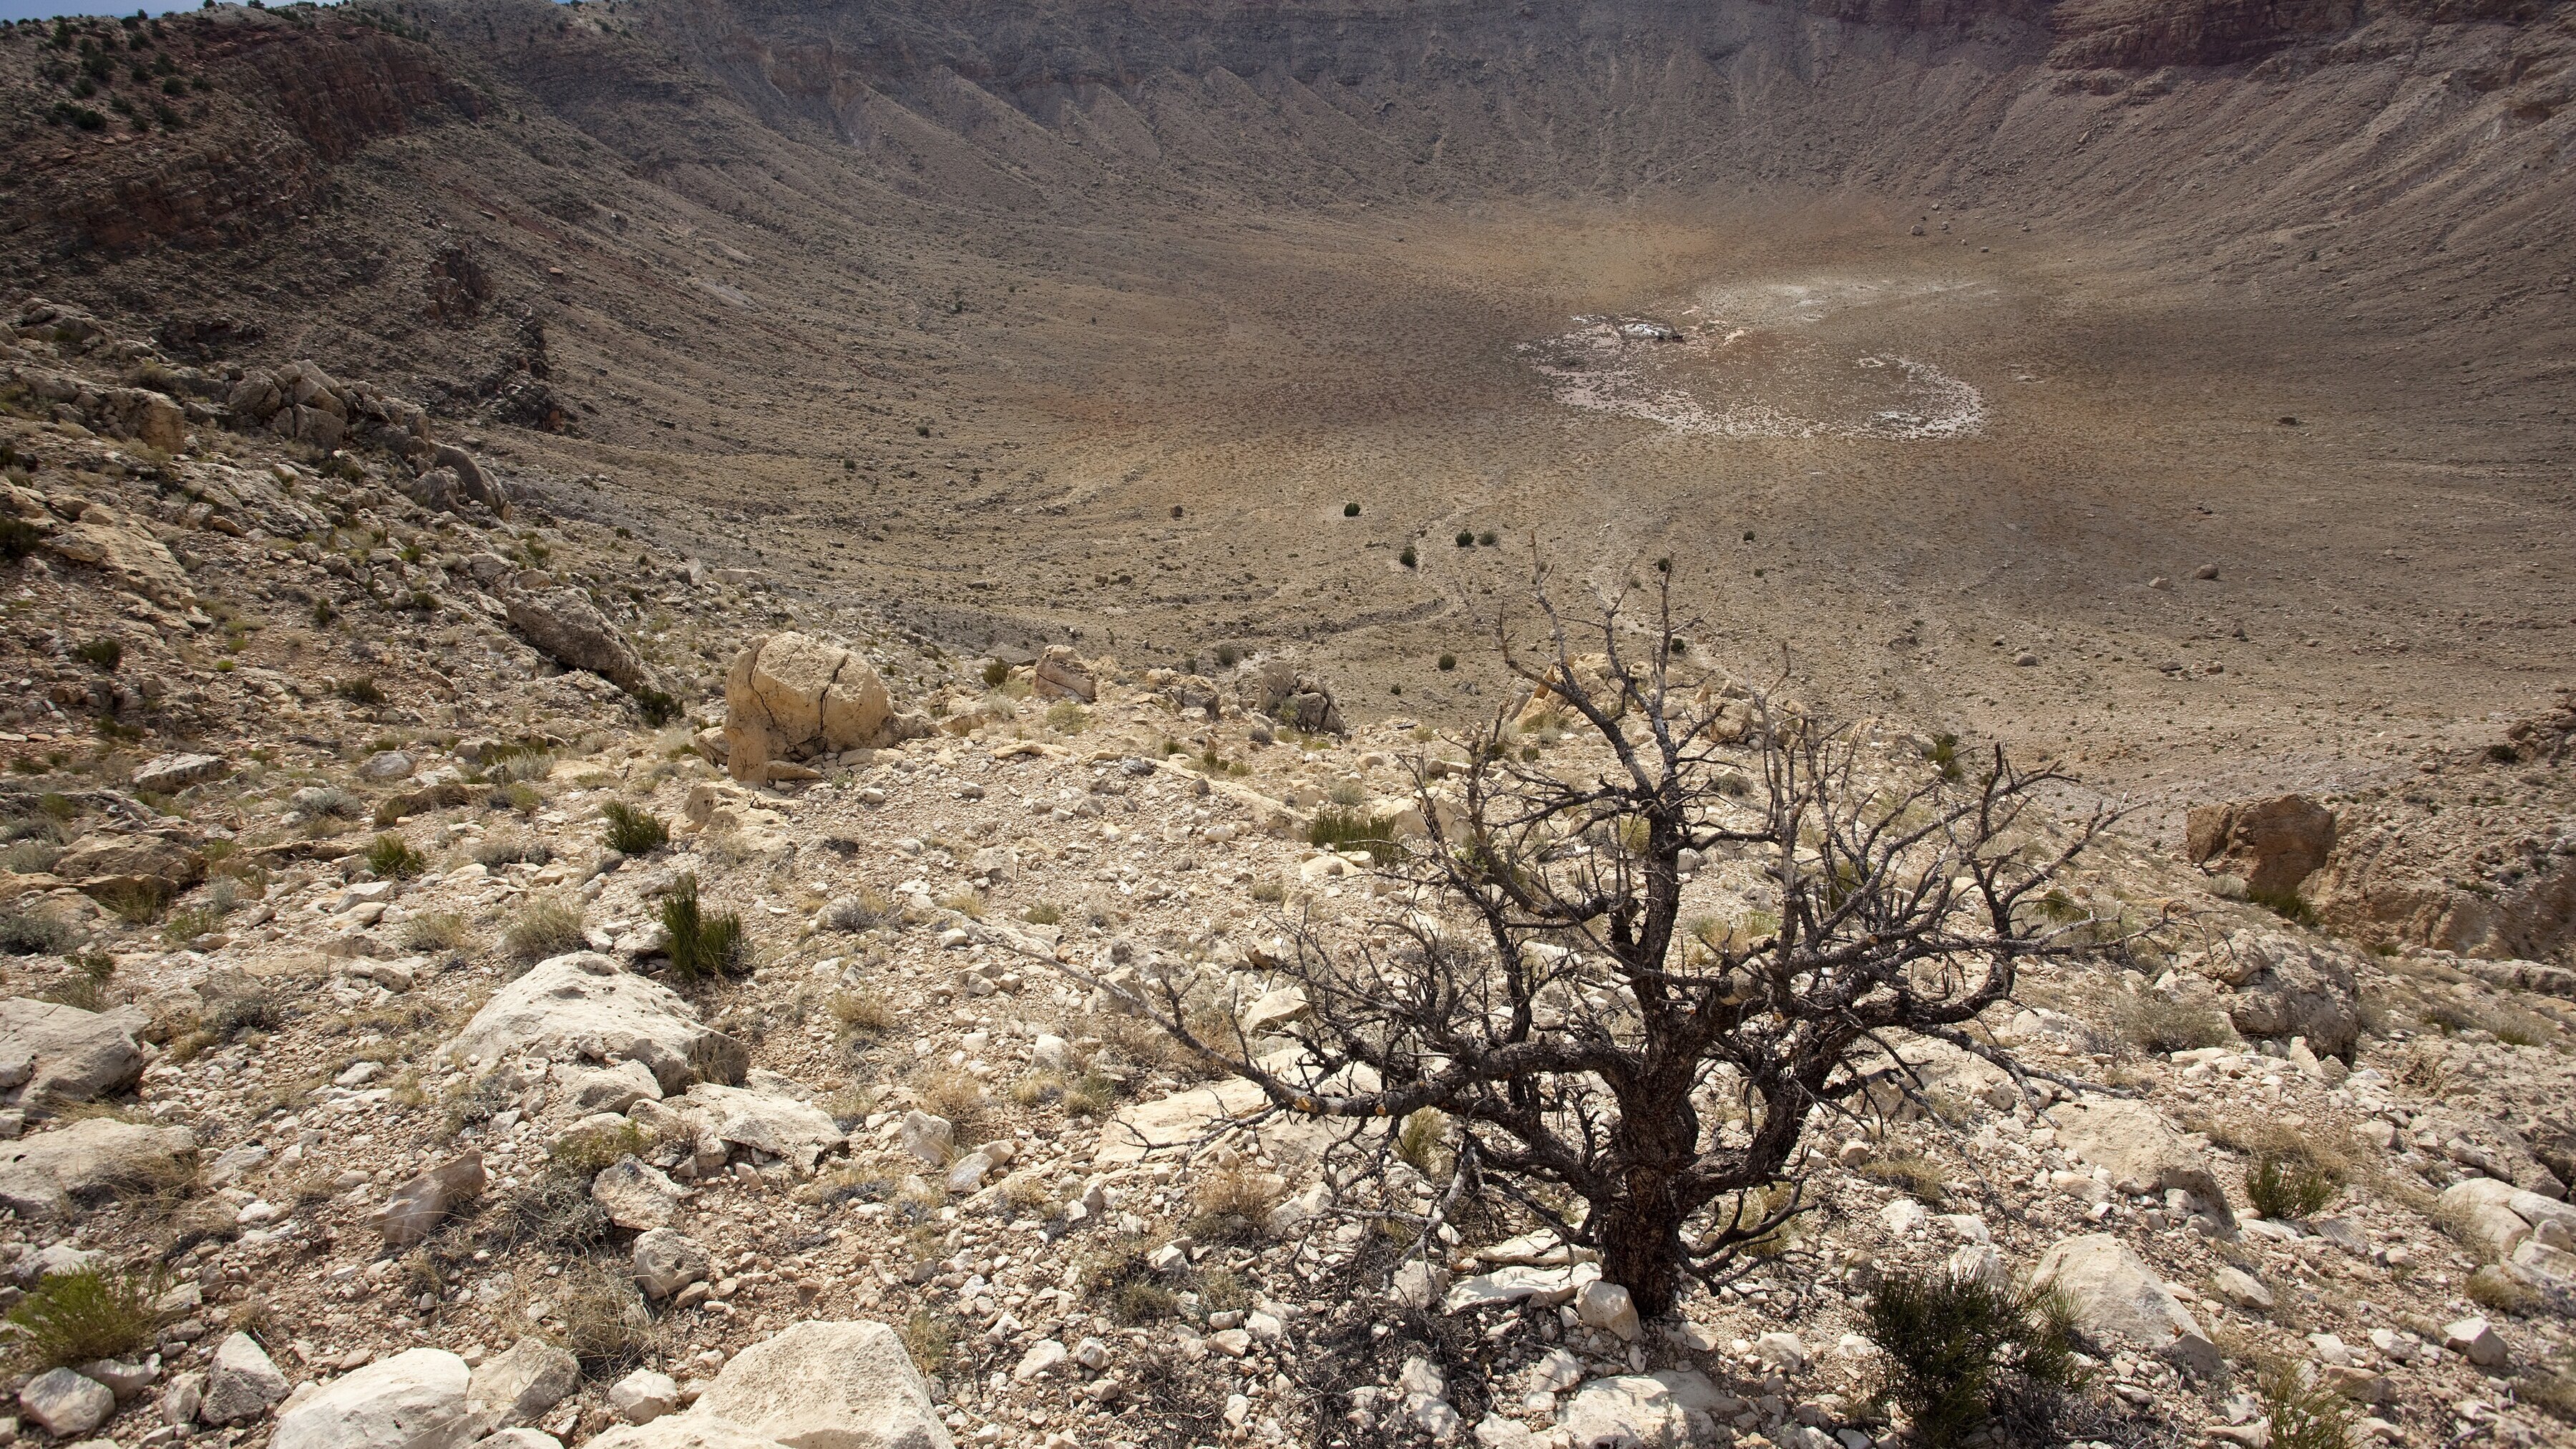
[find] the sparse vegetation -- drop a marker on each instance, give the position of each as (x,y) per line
(511,847)
(585,1152)
(362,690)
(2302,1415)
(544,927)
(1955,1352)
(864,909)
(700,944)
(2283,1186)
(862,1013)
(2155,1022)
(436,931)
(1336,828)
(392,858)
(73,1318)
(632,831)
(102,654)
(25,932)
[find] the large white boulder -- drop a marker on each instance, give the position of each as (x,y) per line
(827,1385)
(1631,1411)
(241,1383)
(587,1003)
(2114,1294)
(52,1174)
(413,1400)
(2141,1151)
(768,1120)
(790,694)
(51,1053)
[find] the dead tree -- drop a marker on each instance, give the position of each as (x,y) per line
(1537,983)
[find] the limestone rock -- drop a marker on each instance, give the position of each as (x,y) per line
(413,1400)
(67,1054)
(606,1089)
(1606,1306)
(1063,674)
(1277,690)
(2274,844)
(169,774)
(1631,1411)
(2142,1153)
(667,1260)
(241,1383)
(565,626)
(1139,1131)
(682,1431)
(636,1195)
(105,863)
(417,1207)
(54,1173)
(125,553)
(2115,1295)
(827,1385)
(791,693)
(643,1396)
(929,1137)
(519,1386)
(587,1003)
(765,1121)
(65,1404)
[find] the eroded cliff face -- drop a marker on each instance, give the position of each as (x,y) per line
(283,102)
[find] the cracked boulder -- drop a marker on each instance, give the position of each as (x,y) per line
(586,1003)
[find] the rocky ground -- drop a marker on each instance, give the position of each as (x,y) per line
(367,1086)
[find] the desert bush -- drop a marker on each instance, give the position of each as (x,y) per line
(584,1152)
(2167,1024)
(331,802)
(1234,1206)
(511,847)
(632,831)
(74,1318)
(518,795)
(1408,558)
(392,858)
(103,653)
(1334,828)
(544,927)
(137,902)
(1466,538)
(29,857)
(959,1097)
(930,1336)
(2302,1415)
(1118,1278)
(605,1323)
(1044,913)
(862,1013)
(362,690)
(1090,1095)
(2283,1186)
(1955,1351)
(435,931)
(33,933)
(1067,718)
(2490,1287)
(864,909)
(700,944)
(1417,1142)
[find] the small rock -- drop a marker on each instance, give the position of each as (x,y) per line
(519,1386)
(667,1260)
(1043,1355)
(241,1383)
(930,1138)
(636,1195)
(65,1404)
(1606,1306)
(643,1396)
(417,1207)
(2477,1341)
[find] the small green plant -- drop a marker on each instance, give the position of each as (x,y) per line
(1488,538)
(1334,828)
(1044,913)
(361,690)
(102,654)
(656,707)
(2287,904)
(700,944)
(1067,718)
(392,858)
(18,538)
(1466,538)
(1234,1206)
(518,795)
(1350,510)
(544,928)
(1418,1141)
(2166,1024)
(436,931)
(1090,1095)
(584,1153)
(323,613)
(632,831)
(1448,662)
(995,671)
(137,901)
(74,1318)
(27,933)
(2302,1415)
(1408,558)
(1943,751)
(2283,1186)
(1953,1351)
(929,1337)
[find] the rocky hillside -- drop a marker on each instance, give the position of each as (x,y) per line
(477,977)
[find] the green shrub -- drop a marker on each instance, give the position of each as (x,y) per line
(995,671)
(510,847)
(1448,662)
(657,708)
(1466,538)
(436,931)
(102,653)
(2165,1024)
(862,1013)
(74,1318)
(1334,828)
(632,831)
(18,538)
(2283,1186)
(1408,558)
(2302,1415)
(392,858)
(1489,538)
(1350,510)
(1067,718)
(362,690)
(585,1152)
(1953,1352)
(700,944)
(2287,904)
(28,933)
